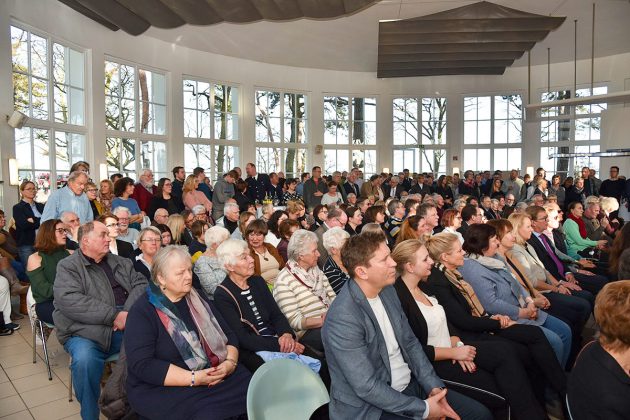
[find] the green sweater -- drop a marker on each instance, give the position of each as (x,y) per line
(574,239)
(43,277)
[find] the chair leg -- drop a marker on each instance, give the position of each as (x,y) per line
(70,382)
(34,325)
(43,337)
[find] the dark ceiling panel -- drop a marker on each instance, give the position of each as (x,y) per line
(136,16)
(481,38)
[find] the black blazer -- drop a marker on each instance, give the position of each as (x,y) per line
(458,311)
(416,320)
(142,269)
(275,192)
(349,187)
(545,258)
(598,388)
(125,249)
(176,205)
(257,187)
(25,230)
(387,189)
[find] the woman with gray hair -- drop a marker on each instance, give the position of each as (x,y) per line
(333,240)
(302,290)
(208,268)
(182,356)
(149,243)
(248,307)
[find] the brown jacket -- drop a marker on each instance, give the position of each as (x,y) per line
(274,253)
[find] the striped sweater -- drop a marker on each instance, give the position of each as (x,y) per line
(297,301)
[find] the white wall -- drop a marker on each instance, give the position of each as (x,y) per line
(63,23)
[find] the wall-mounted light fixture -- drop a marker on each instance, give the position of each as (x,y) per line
(455,170)
(386,170)
(530,170)
(14,176)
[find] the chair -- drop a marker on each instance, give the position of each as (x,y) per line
(38,326)
(284,389)
(111,359)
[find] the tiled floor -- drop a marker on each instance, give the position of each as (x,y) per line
(25,391)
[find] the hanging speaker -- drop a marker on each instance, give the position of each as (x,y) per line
(17,119)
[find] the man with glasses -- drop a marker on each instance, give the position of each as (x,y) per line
(71,220)
(229,220)
(396,211)
(70,198)
(160,217)
(145,189)
(126,234)
(613,186)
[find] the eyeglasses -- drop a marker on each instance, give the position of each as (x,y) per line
(92,190)
(154,240)
(30,189)
(73,221)
(121,219)
(546,219)
(61,230)
(111,225)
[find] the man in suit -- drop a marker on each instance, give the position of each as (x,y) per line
(377,366)
(350,186)
(257,184)
(393,188)
(552,262)
(314,189)
(405,181)
(486,206)
(470,216)
(336,217)
(179,176)
(275,189)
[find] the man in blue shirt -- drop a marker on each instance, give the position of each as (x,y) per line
(70,198)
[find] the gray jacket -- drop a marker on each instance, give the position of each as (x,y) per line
(359,363)
(222,192)
(84,300)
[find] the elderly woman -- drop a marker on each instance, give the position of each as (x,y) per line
(207,267)
(106,195)
(332,196)
(123,189)
(267,260)
(287,229)
(116,246)
(302,290)
(50,244)
(599,384)
(149,243)
(486,365)
(333,240)
(248,307)
(500,293)
(164,199)
(451,221)
(609,205)
(182,357)
(91,191)
(191,196)
(465,312)
(575,230)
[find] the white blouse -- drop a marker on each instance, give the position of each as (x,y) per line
(438,334)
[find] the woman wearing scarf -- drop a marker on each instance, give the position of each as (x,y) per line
(575,230)
(465,312)
(182,358)
(302,290)
(500,293)
(485,370)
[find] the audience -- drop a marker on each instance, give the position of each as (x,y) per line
(70,198)
(267,260)
(165,200)
(334,239)
(27,214)
(149,243)
(208,268)
(116,246)
(123,190)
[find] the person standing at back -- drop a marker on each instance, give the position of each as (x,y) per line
(314,189)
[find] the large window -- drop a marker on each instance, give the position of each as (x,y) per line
(349,134)
(281,132)
(211,126)
(48,86)
(493,132)
(420,135)
(570,130)
(135,118)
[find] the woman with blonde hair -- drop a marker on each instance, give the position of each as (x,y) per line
(465,312)
(192,197)
(177,225)
(487,371)
(106,195)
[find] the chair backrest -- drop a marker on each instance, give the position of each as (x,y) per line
(284,389)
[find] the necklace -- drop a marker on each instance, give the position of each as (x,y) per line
(263,255)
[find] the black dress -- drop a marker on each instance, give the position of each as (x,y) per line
(150,351)
(598,386)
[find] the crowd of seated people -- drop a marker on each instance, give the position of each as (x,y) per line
(497,280)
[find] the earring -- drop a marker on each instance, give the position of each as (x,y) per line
(163,287)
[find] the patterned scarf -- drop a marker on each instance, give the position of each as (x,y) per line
(313,278)
(198,353)
(464,288)
(580,224)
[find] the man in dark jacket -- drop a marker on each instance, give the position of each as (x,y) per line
(93,291)
(257,184)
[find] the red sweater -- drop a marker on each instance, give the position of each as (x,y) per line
(143,196)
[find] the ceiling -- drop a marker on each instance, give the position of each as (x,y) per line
(350,43)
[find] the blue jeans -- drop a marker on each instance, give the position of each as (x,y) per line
(88,361)
(558,334)
(24,252)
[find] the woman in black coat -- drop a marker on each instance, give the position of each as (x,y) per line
(484,370)
(467,315)
(164,199)
(27,214)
